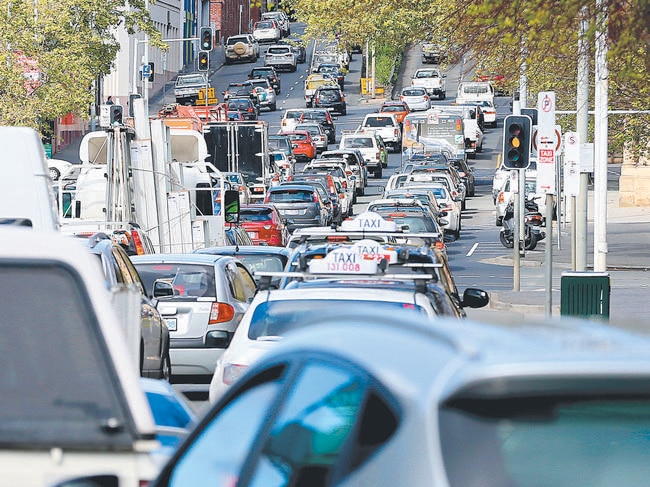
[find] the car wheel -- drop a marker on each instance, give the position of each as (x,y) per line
(344,112)
(443,96)
(293,68)
(55,174)
(273,107)
(378,173)
(166,367)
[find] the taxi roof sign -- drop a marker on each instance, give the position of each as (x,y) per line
(343,261)
(373,250)
(369,221)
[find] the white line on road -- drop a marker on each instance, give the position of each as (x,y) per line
(472,250)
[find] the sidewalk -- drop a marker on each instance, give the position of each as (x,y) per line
(628,264)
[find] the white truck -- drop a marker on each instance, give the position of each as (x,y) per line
(387,126)
(472,92)
(433,80)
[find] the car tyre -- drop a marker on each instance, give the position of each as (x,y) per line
(55,174)
(378,172)
(166,366)
(273,107)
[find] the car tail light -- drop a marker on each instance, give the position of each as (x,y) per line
(401,98)
(342,98)
(250,109)
(349,173)
(501,197)
(267,227)
(454,194)
(426,97)
(316,198)
(220,313)
(462,174)
(267,198)
(345,184)
(396,132)
(440,245)
(232,372)
(241,188)
(137,242)
(378,155)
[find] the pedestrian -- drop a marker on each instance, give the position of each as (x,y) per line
(109,100)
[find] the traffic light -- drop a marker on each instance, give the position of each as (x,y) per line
(206,38)
(151,72)
(116,114)
(516,141)
(204,60)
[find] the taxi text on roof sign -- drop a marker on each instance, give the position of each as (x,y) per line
(372,250)
(369,221)
(343,261)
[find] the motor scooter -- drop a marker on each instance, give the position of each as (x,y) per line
(533,222)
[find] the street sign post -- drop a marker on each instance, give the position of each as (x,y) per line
(571,169)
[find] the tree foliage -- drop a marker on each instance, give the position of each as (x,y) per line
(52,51)
(498,36)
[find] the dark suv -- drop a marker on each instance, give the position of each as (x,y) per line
(155,360)
(324,119)
(299,205)
(330,97)
(245,106)
(267,72)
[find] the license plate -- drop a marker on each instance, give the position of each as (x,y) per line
(293,212)
(171,323)
(254,234)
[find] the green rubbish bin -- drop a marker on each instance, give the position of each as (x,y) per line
(585,294)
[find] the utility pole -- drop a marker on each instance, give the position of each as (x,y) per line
(579,221)
(600,139)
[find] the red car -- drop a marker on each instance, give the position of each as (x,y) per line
(304,147)
(263,223)
(398,108)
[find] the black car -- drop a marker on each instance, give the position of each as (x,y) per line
(324,119)
(466,174)
(245,106)
(330,97)
(267,72)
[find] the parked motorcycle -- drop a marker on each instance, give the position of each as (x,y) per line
(533,222)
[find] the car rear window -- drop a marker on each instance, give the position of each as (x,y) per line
(358,142)
(255,214)
(263,25)
(190,281)
(234,40)
(378,122)
(414,92)
(279,50)
(58,389)
(265,263)
(291,196)
(276,318)
(574,438)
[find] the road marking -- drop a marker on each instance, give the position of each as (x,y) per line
(472,250)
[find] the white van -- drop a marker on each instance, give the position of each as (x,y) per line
(474,91)
(71,405)
(26,192)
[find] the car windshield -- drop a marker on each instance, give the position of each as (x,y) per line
(239,105)
(276,318)
(263,25)
(189,281)
(279,50)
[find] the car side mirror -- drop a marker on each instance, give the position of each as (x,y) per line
(474,298)
(162,289)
